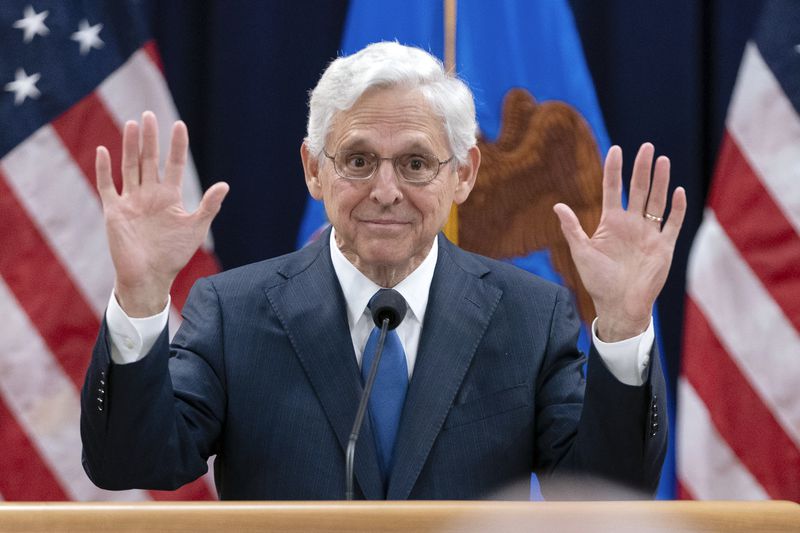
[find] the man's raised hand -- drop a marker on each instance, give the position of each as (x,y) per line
(625,263)
(150,235)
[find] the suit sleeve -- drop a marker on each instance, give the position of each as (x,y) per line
(153,424)
(597,437)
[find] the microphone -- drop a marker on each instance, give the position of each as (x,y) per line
(388,309)
(387,304)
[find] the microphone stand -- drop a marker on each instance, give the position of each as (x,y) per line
(362,409)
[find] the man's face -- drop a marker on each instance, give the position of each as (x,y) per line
(385,222)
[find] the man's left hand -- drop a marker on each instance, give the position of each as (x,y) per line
(625,263)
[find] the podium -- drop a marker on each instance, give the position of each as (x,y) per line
(421,516)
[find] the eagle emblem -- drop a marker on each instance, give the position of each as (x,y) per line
(545,154)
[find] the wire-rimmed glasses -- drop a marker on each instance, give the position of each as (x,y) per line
(417,168)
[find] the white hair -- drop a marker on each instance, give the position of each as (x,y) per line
(390,64)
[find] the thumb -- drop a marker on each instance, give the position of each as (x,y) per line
(211,202)
(570,227)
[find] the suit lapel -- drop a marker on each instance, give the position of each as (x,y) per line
(311,308)
(460,307)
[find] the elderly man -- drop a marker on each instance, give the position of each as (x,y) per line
(267,368)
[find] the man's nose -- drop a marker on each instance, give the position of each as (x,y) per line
(386,184)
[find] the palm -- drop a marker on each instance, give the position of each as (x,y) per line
(625,263)
(150,234)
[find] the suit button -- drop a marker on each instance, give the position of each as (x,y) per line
(99,407)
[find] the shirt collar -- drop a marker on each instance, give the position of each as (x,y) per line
(358,288)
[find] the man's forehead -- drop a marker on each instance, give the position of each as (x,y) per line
(397,116)
(374,141)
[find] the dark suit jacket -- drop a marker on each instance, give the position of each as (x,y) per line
(262,373)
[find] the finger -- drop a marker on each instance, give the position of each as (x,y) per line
(211,203)
(571,227)
(640,179)
(102,170)
(149,148)
(657,201)
(130,157)
(612,179)
(672,226)
(176,159)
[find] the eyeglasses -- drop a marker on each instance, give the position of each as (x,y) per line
(361,166)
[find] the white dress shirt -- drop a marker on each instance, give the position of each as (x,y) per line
(132,338)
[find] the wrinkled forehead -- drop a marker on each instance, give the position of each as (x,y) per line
(389,118)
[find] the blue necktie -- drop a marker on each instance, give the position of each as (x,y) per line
(388,393)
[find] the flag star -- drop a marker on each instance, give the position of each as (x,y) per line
(24,86)
(32,24)
(88,36)
(797,48)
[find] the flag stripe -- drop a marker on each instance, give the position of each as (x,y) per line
(759,443)
(209,477)
(65,209)
(50,419)
(85,126)
(196,490)
(683,493)
(707,467)
(201,264)
(764,122)
(31,479)
(755,225)
(758,337)
(152,52)
(44,289)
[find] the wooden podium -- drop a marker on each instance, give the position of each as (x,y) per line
(492,517)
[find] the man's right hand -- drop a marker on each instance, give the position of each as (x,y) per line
(150,235)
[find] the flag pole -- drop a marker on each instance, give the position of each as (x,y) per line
(451,226)
(450,35)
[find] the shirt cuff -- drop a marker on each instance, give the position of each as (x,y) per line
(628,359)
(132,338)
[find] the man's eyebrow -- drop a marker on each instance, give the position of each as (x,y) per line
(360,144)
(418,147)
(363,144)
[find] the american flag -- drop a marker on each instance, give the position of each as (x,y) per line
(739,394)
(71,74)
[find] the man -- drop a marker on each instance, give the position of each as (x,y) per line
(266,370)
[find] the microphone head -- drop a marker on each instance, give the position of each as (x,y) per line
(388,303)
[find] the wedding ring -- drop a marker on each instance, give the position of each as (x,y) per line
(654,218)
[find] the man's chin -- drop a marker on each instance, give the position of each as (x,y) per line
(391,254)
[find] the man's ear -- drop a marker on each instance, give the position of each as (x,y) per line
(311,171)
(467,173)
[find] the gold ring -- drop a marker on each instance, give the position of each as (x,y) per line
(654,218)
